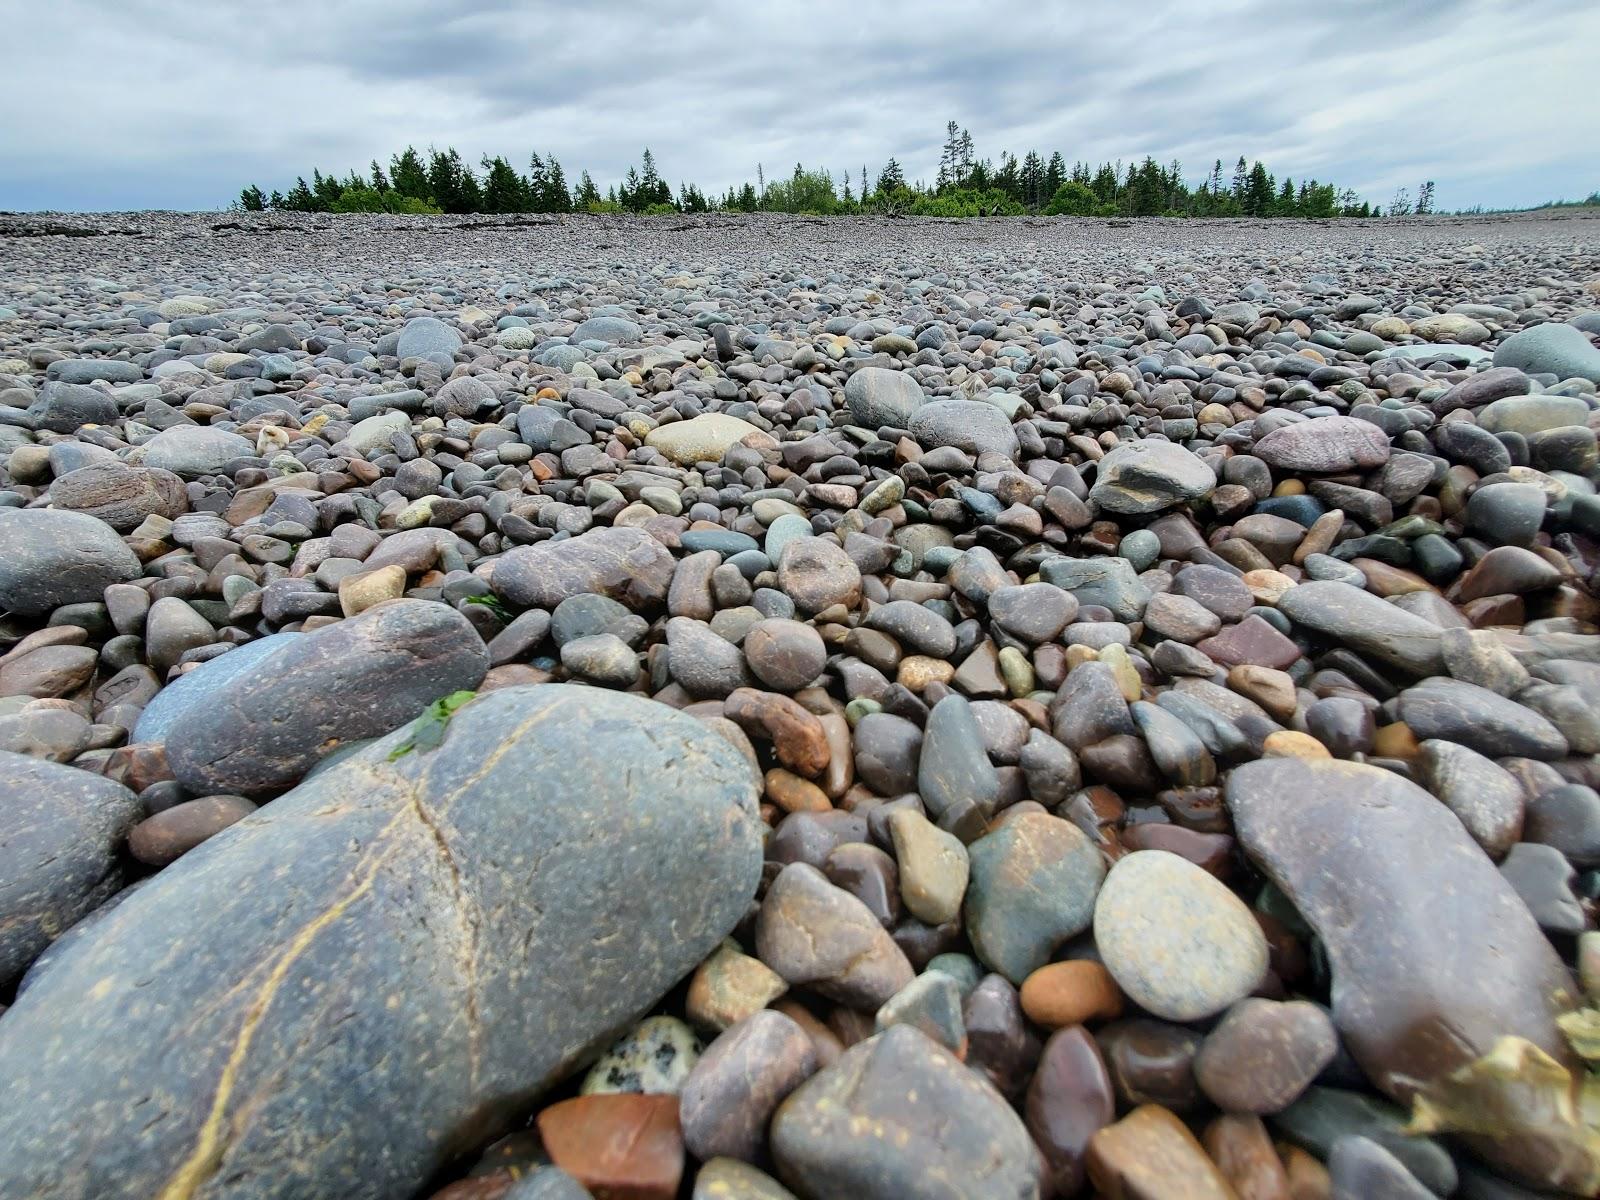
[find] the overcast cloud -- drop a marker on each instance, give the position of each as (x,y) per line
(119,104)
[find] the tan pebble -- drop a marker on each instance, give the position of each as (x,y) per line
(917,671)
(1116,657)
(1078,655)
(1396,741)
(1273,690)
(1308,1178)
(729,986)
(1290,487)
(1266,586)
(794,794)
(1071,993)
(357,593)
(1288,743)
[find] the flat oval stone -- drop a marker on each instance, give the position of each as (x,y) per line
(1366,624)
(455,927)
(1148,475)
(623,563)
(1420,988)
(1263,1054)
(59,853)
(1150,1153)
(355,679)
(1069,1101)
(1033,885)
(860,1128)
(1324,445)
(731,1094)
(49,558)
(1178,942)
(1473,716)
(820,936)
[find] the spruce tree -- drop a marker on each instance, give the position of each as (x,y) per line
(588,195)
(556,198)
(409,176)
(1055,174)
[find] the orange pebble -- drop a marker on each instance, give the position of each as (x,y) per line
(1071,993)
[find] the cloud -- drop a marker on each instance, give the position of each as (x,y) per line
(150,103)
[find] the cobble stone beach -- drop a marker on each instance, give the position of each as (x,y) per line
(749,707)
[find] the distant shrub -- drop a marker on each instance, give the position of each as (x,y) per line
(367,200)
(965,202)
(661,210)
(1072,199)
(602,206)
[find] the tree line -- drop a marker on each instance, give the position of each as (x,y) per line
(441,181)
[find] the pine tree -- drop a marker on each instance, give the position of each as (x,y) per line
(1285,204)
(1425,198)
(1055,174)
(380,181)
(1032,176)
(471,194)
(1105,185)
(1258,191)
(556,198)
(945,179)
(1007,178)
(251,199)
(299,198)
(628,192)
(409,176)
(588,195)
(891,178)
(1241,182)
(1215,185)
(538,182)
(326,191)
(1400,206)
(504,191)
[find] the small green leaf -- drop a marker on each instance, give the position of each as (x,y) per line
(493,603)
(427,731)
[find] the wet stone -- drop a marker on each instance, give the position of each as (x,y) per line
(1032,887)
(402,854)
(859,1128)
(1263,1054)
(739,1081)
(1178,943)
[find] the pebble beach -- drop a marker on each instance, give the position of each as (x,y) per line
(747,707)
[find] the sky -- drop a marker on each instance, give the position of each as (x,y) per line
(133,104)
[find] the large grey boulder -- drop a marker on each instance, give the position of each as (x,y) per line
(61,833)
(879,396)
(49,558)
(382,969)
(969,425)
(424,336)
(861,1128)
(347,681)
(1558,350)
(1434,956)
(618,561)
(194,450)
(1366,623)
(68,407)
(120,495)
(1149,475)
